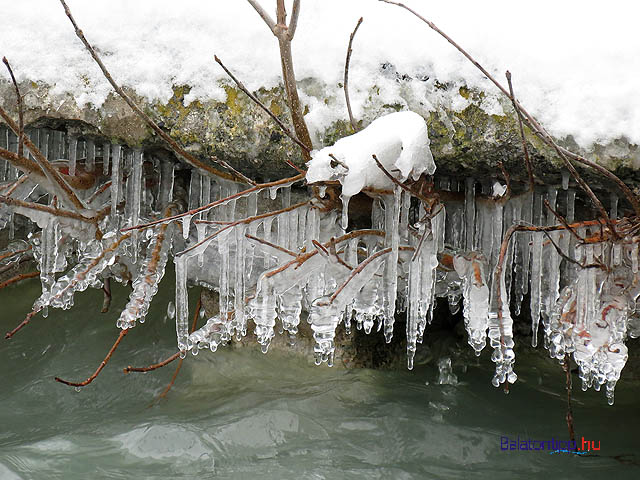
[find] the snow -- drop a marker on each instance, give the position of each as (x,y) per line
(400,142)
(574,64)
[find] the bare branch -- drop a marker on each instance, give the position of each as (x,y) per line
(564,222)
(524,140)
(346,75)
(293,23)
(264,15)
(19,105)
(102,364)
(284,128)
(155,366)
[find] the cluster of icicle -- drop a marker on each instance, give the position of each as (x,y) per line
(303,264)
(64,242)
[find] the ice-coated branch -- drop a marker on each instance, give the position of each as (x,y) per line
(181,152)
(18,104)
(346,75)
(99,369)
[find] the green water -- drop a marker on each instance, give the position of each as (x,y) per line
(246,415)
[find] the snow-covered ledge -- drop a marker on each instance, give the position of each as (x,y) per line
(164,56)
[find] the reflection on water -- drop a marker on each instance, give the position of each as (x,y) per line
(240,414)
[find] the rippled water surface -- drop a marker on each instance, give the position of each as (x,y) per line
(241,414)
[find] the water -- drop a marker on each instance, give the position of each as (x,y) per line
(241,414)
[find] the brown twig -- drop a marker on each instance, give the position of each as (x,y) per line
(239,222)
(272,245)
(567,369)
(106,289)
(14,202)
(233,170)
(346,75)
(18,278)
(398,182)
(181,152)
(527,159)
(155,366)
(507,179)
(257,188)
(19,105)
(285,35)
(282,126)
(102,365)
(564,222)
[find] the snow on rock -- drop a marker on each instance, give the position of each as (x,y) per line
(151,46)
(399,141)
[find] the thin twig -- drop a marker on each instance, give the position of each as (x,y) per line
(346,75)
(285,34)
(19,105)
(14,202)
(155,366)
(564,222)
(18,278)
(239,222)
(13,254)
(102,365)
(181,152)
(527,159)
(106,290)
(234,171)
(567,368)
(282,126)
(272,245)
(257,188)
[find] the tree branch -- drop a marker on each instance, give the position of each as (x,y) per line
(346,76)
(18,104)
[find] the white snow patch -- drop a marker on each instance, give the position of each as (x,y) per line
(398,140)
(577,74)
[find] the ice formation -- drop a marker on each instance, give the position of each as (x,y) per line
(277,258)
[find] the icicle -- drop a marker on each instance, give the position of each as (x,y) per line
(345,211)
(324,317)
(536,273)
(116,182)
(201,229)
(392,239)
(469,212)
(273,192)
(501,333)
(182,302)
(565,180)
(106,154)
(475,292)
(239,286)
(133,198)
(165,195)
(73,154)
(186,226)
(223,250)
(263,311)
(91,156)
(194,190)
(614,206)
